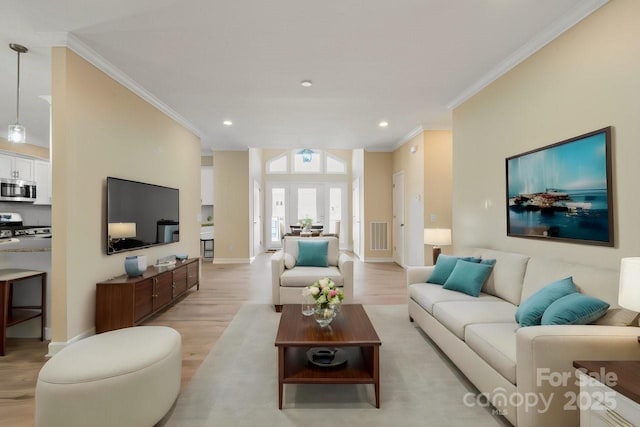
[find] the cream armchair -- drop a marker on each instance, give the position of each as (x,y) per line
(288,279)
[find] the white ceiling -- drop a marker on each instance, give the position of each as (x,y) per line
(405,61)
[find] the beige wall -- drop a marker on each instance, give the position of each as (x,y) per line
(378,193)
(24,149)
(231,206)
(437,184)
(102,129)
(584,80)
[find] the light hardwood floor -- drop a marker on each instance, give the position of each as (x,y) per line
(201,317)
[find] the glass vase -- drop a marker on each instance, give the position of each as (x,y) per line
(324,314)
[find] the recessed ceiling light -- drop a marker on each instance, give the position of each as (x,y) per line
(227,123)
(383,124)
(306,83)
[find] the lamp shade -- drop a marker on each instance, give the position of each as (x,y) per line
(122,230)
(437,236)
(629,290)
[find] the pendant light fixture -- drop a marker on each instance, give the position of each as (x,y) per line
(17,133)
(306,154)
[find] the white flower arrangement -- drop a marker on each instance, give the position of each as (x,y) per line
(324,292)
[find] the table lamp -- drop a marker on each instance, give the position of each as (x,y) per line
(122,230)
(629,288)
(437,237)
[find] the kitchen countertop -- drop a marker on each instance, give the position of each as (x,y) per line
(27,244)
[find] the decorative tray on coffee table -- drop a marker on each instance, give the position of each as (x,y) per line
(325,357)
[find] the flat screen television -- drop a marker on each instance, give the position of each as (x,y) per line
(140,215)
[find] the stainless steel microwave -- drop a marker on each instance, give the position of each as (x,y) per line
(17,190)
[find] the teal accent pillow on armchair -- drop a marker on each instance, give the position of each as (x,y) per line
(313,253)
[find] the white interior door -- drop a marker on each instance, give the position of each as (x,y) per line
(398,218)
(276,214)
(355,223)
(336,211)
(257,220)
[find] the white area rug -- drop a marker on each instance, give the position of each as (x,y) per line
(237,384)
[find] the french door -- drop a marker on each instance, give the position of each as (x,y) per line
(288,203)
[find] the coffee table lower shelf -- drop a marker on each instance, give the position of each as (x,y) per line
(362,367)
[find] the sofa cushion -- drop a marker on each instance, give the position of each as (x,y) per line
(574,309)
(456,315)
(505,281)
(305,276)
(428,294)
(590,280)
(444,267)
(495,343)
(312,253)
(468,277)
(531,310)
(618,317)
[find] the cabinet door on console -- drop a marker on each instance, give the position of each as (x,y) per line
(179,280)
(192,274)
(143,299)
(164,290)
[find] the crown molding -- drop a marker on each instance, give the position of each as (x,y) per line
(577,14)
(75,44)
(408,137)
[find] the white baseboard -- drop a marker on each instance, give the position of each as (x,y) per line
(231,261)
(377,260)
(56,346)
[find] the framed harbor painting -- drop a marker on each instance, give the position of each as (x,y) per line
(563,191)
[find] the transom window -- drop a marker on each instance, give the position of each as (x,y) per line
(335,165)
(278,164)
(306,161)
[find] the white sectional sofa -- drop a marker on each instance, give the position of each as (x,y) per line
(514,365)
(288,278)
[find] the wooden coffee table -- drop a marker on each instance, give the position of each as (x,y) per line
(351,330)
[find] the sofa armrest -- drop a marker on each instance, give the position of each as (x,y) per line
(277,268)
(345,265)
(418,274)
(545,356)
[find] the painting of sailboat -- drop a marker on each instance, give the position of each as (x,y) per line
(563,191)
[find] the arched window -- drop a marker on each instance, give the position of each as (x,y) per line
(278,164)
(335,165)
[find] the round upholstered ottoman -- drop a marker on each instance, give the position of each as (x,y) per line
(126,378)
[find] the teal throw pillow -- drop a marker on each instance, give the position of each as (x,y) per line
(313,253)
(444,266)
(531,310)
(468,277)
(574,309)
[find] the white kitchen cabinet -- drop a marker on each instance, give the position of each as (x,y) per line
(206,185)
(14,167)
(42,177)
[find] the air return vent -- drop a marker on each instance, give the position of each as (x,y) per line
(379,236)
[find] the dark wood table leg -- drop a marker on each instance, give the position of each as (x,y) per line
(280,375)
(4,315)
(376,373)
